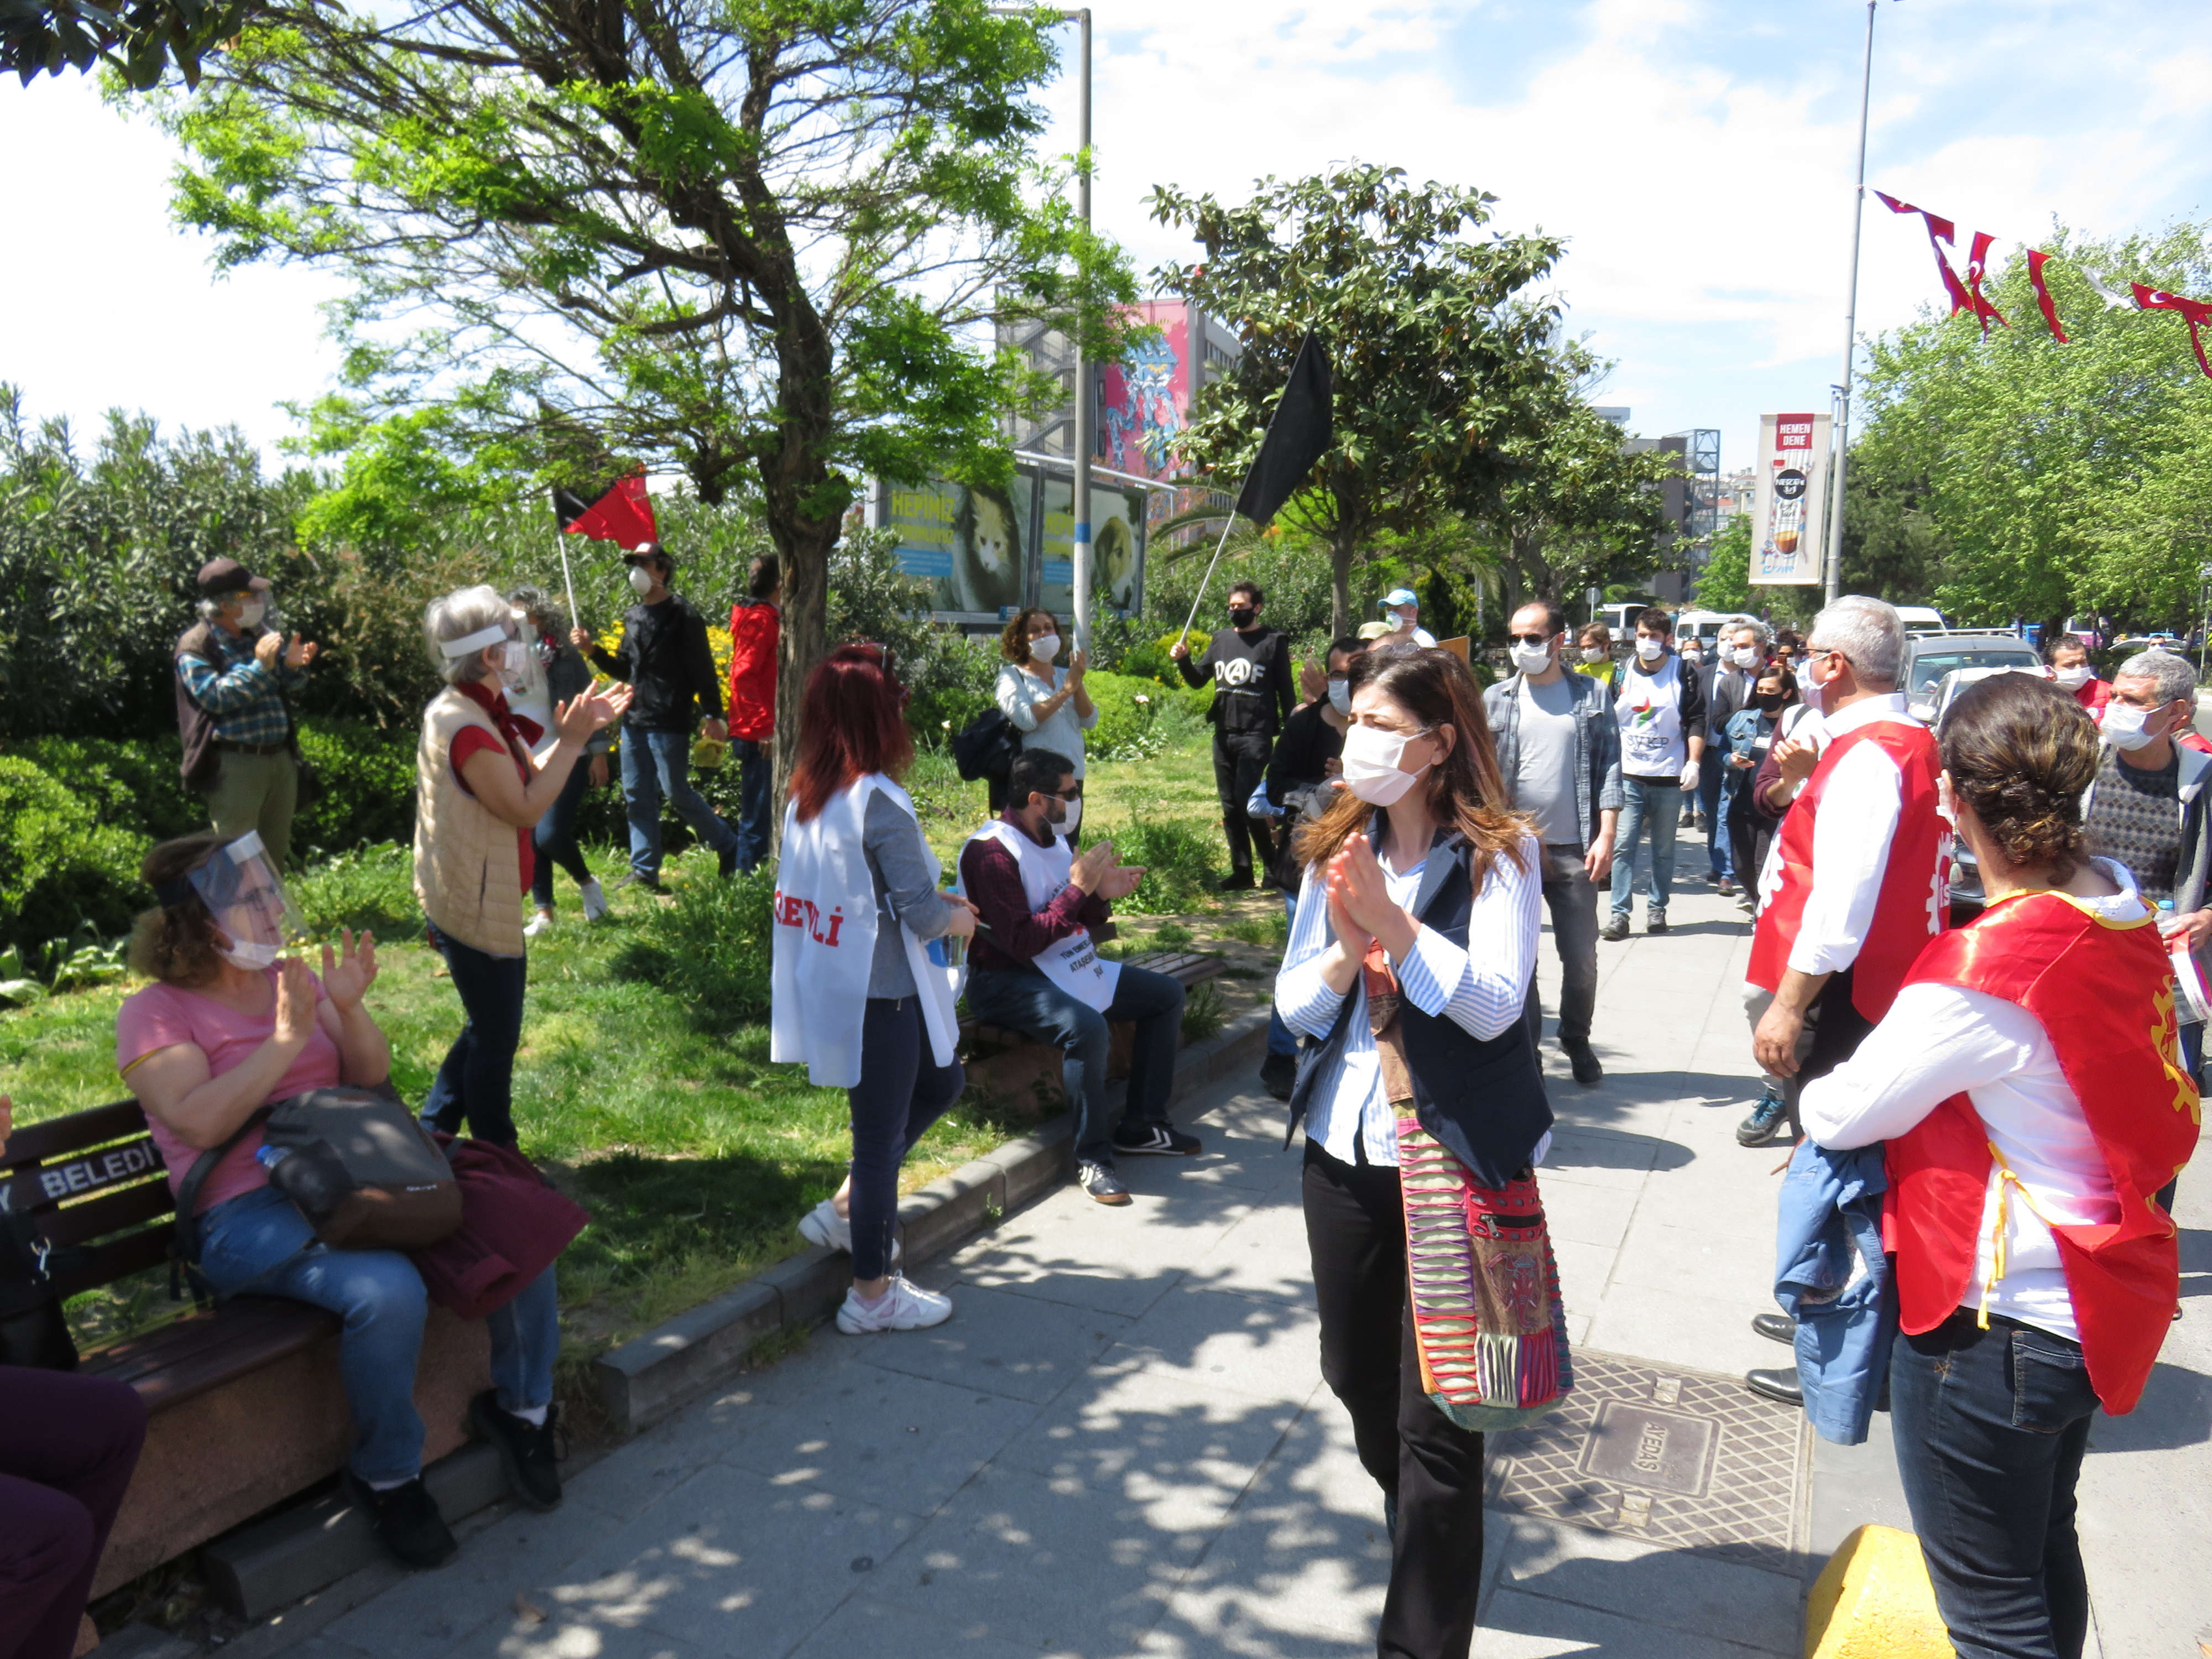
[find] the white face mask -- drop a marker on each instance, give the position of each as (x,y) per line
(250,956)
(1649,650)
(1531,659)
(2124,725)
(641,580)
(251,613)
(2073,678)
(1746,656)
(1596,653)
(1371,764)
(1066,827)
(1045,648)
(1409,618)
(1339,695)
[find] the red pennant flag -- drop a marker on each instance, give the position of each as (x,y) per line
(2195,312)
(1985,311)
(619,512)
(2042,302)
(1939,230)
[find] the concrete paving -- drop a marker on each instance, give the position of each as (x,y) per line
(1120,1444)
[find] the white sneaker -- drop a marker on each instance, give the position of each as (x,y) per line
(822,1225)
(540,923)
(904,1307)
(595,900)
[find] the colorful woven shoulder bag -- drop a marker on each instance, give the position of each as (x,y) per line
(1488,1317)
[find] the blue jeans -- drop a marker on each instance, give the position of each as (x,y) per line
(901,1091)
(755,766)
(1024,999)
(554,837)
(1712,801)
(656,764)
(1281,1040)
(258,1243)
(475,1085)
(1991,1427)
(1653,804)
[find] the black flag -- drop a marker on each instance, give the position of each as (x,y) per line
(1297,437)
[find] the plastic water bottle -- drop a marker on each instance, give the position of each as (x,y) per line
(270,1157)
(2167,921)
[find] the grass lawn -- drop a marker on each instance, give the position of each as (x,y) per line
(695,1155)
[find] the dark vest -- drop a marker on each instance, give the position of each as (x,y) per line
(1483,1099)
(194,724)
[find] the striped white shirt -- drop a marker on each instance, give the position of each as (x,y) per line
(1483,989)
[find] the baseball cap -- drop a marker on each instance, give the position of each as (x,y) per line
(645,550)
(219,576)
(1400,596)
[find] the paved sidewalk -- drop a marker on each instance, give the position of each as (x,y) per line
(1120,1444)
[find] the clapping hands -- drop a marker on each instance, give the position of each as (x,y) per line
(346,980)
(1360,905)
(586,712)
(1098,869)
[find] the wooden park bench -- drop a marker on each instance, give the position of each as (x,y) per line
(244,1402)
(1012,1064)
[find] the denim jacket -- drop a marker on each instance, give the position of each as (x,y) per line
(1597,744)
(1829,1224)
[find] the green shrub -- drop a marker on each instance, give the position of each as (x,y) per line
(709,950)
(1178,860)
(370,887)
(364,787)
(61,869)
(135,786)
(1205,1012)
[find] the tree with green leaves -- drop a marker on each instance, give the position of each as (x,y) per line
(756,241)
(1724,584)
(2032,479)
(141,42)
(1440,350)
(1582,510)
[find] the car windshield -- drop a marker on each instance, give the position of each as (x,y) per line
(1930,667)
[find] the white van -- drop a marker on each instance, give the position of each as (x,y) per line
(1923,619)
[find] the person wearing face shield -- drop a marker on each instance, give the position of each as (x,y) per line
(1048,705)
(1660,709)
(544,670)
(479,795)
(1249,664)
(669,667)
(1559,751)
(2145,809)
(235,675)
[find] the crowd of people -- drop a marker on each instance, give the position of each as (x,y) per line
(1418,827)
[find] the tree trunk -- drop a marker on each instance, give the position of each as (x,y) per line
(803,550)
(1339,593)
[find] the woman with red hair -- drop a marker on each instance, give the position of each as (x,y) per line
(858,993)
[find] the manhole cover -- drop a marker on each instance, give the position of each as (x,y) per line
(1680,1457)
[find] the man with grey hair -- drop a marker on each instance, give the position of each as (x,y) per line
(1854,888)
(2145,808)
(1739,651)
(234,675)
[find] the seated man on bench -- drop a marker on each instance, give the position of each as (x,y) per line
(230,1025)
(1034,966)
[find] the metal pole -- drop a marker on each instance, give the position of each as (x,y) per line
(1835,559)
(1083,416)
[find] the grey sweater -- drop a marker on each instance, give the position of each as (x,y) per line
(906,892)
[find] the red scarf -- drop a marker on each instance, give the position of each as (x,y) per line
(522,733)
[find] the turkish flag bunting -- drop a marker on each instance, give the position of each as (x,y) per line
(2036,259)
(618,512)
(1939,230)
(1977,267)
(2195,312)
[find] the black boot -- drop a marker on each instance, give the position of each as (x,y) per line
(526,1449)
(407,1520)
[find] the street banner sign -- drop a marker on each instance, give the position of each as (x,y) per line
(1789,513)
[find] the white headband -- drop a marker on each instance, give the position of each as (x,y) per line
(469,643)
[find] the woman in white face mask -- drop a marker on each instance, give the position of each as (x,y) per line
(1409,965)
(1048,704)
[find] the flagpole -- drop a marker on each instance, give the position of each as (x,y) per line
(560,539)
(1835,559)
(1199,598)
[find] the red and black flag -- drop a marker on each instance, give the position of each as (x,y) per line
(619,511)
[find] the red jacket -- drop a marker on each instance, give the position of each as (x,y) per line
(513,1226)
(754,629)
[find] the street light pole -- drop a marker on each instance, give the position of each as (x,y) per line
(1085,413)
(1835,559)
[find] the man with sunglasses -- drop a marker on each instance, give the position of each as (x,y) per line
(1041,910)
(1558,752)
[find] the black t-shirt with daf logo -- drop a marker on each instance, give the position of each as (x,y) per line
(1252,688)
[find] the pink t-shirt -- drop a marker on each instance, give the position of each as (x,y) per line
(163,1016)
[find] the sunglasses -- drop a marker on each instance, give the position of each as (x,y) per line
(1531,639)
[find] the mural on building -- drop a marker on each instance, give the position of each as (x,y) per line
(1144,400)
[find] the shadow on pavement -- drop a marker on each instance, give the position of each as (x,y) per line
(2175,1411)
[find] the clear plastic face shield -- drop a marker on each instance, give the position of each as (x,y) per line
(243,892)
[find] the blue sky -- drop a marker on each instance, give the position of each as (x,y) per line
(1695,154)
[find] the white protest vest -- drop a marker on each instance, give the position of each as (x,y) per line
(1073,963)
(1649,708)
(825,942)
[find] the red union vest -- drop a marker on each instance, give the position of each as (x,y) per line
(1911,906)
(2120,1051)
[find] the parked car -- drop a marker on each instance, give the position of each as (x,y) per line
(1930,657)
(1965,891)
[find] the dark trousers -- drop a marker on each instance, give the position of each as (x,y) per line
(901,1091)
(477,1082)
(68,1445)
(755,766)
(1240,762)
(1024,999)
(1743,827)
(554,837)
(1838,1029)
(1429,1469)
(1712,780)
(1572,898)
(1991,1427)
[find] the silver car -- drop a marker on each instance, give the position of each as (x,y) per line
(1930,658)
